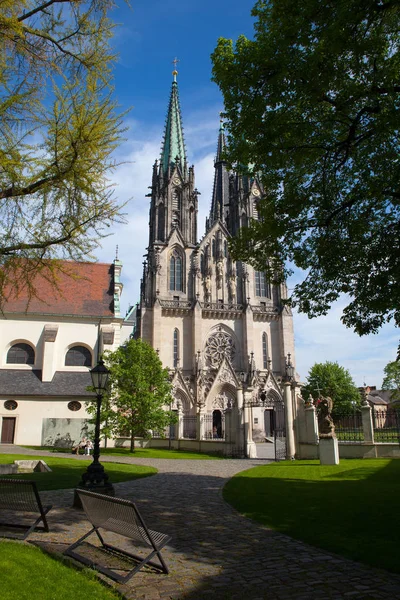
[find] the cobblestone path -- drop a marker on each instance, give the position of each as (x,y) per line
(215,552)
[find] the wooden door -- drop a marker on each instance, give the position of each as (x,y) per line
(8,430)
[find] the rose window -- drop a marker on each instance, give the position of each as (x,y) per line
(219,346)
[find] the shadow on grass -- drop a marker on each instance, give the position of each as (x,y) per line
(350,511)
(216,552)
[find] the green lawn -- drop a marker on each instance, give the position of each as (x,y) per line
(141,453)
(67,472)
(27,572)
(350,509)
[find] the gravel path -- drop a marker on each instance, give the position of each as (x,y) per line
(215,552)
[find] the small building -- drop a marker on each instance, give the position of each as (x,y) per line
(49,343)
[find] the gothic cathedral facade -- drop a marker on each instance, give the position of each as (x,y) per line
(217,324)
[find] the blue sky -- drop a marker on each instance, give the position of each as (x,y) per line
(148,37)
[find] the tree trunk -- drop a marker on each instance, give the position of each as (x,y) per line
(132,442)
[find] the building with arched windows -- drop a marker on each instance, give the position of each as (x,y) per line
(49,343)
(218,324)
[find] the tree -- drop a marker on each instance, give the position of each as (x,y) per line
(59,126)
(312,103)
(330,379)
(140,392)
(391,380)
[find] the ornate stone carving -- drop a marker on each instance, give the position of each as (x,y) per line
(219,345)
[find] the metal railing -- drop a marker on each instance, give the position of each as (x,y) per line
(386,425)
(349,426)
(214,430)
(189,427)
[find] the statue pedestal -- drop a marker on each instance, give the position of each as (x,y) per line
(328,451)
(251,450)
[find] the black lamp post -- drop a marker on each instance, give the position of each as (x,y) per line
(289,370)
(95,478)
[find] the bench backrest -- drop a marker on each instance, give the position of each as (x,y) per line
(115,514)
(19,494)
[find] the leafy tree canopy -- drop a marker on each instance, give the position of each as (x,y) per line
(312,103)
(59,126)
(391,380)
(140,392)
(330,379)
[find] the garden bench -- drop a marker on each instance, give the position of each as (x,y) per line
(116,515)
(22,496)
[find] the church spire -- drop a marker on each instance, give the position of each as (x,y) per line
(173,145)
(220,197)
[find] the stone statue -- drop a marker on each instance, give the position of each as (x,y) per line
(207,285)
(325,422)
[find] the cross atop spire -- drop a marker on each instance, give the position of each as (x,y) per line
(175,72)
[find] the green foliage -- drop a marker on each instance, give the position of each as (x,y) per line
(312,103)
(330,379)
(140,392)
(59,126)
(391,381)
(326,505)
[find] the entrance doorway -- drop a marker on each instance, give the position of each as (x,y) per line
(269,422)
(8,430)
(217,424)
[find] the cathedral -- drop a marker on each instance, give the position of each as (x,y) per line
(217,324)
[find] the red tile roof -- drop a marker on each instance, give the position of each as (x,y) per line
(85,289)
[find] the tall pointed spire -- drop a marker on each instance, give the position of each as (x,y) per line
(220,197)
(173,146)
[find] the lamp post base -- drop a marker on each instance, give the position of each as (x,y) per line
(95,479)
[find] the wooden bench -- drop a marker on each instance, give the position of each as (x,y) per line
(116,515)
(21,496)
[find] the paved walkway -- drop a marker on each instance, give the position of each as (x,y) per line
(215,552)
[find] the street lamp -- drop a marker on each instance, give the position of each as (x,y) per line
(289,370)
(95,478)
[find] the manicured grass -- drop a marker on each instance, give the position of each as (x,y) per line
(350,509)
(67,472)
(27,572)
(142,453)
(160,453)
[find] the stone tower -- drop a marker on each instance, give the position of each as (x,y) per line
(217,324)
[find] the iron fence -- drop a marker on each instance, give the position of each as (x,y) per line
(348,426)
(214,426)
(189,426)
(386,425)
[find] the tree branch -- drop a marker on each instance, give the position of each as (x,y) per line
(39,9)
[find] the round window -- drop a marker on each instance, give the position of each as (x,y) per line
(10,404)
(74,405)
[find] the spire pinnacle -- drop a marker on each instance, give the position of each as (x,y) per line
(173,146)
(220,195)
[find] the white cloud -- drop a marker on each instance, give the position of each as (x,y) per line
(327,339)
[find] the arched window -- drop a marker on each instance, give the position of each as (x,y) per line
(21,354)
(263,287)
(226,249)
(161,223)
(175,273)
(176,348)
(78,356)
(214,248)
(265,350)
